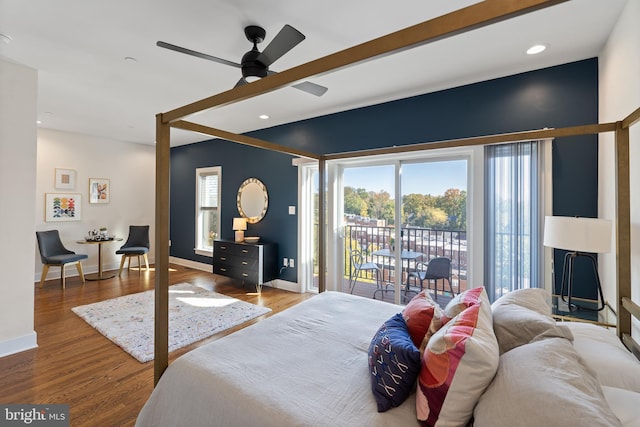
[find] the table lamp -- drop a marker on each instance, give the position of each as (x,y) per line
(239,225)
(581,237)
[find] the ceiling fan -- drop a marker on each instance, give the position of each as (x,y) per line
(255,64)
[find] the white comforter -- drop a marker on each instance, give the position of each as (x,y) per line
(306,366)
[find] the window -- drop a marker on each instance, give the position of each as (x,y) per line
(208,188)
(514,212)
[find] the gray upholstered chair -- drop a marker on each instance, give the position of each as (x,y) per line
(137,245)
(53,252)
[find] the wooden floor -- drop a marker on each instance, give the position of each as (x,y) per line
(75,365)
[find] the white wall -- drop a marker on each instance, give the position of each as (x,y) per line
(619,65)
(130,169)
(18,111)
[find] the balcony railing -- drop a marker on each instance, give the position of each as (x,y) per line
(431,243)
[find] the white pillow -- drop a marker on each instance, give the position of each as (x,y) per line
(515,325)
(544,383)
(625,404)
(535,299)
(605,354)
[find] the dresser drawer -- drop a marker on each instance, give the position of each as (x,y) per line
(236,249)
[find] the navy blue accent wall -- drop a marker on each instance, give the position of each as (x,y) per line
(560,96)
(238,163)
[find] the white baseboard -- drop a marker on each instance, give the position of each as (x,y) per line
(191,264)
(276,283)
(18,344)
(284,285)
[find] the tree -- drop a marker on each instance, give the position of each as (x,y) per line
(454,203)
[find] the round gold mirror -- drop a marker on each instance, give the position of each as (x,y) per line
(253,200)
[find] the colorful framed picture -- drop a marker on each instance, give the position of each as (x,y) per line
(62,207)
(65,179)
(99,190)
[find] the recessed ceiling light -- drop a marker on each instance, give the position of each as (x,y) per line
(5,38)
(535,49)
(39,122)
(130,59)
(264,116)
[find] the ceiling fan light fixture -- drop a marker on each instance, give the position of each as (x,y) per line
(251,66)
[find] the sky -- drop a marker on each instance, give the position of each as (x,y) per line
(432,178)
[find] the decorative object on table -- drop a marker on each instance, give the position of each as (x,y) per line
(137,245)
(239,226)
(98,235)
(99,190)
(252,239)
(65,179)
(252,200)
(53,252)
(62,207)
(581,237)
(195,313)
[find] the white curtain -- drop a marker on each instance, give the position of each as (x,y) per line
(513,217)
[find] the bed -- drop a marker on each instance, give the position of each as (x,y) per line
(309,366)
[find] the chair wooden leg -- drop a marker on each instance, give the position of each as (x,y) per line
(129,262)
(80,272)
(146,261)
(124,257)
(139,267)
(62,278)
(45,270)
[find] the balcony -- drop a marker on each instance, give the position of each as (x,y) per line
(431,243)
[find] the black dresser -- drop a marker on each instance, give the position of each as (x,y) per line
(254,264)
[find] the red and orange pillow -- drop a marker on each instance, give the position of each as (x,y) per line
(458,363)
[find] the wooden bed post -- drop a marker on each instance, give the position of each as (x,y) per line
(161,332)
(623,228)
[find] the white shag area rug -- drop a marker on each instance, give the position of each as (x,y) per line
(195,313)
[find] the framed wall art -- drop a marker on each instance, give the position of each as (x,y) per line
(65,179)
(62,207)
(99,190)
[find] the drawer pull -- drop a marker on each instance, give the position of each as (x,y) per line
(223,269)
(245,263)
(223,247)
(222,258)
(245,274)
(244,251)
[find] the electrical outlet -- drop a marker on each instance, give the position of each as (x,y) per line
(291,263)
(285,262)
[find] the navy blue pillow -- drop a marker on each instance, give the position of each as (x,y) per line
(394,364)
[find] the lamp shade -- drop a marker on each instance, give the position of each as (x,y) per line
(577,234)
(239,224)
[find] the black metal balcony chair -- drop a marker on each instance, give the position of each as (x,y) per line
(437,269)
(358,265)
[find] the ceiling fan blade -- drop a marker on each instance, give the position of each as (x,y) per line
(197,54)
(282,43)
(312,88)
(306,86)
(241,82)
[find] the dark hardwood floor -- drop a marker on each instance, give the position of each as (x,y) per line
(75,365)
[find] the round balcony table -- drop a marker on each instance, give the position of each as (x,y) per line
(99,275)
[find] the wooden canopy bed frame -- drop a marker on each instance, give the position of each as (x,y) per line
(466,19)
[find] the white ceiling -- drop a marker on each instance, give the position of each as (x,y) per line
(86,86)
